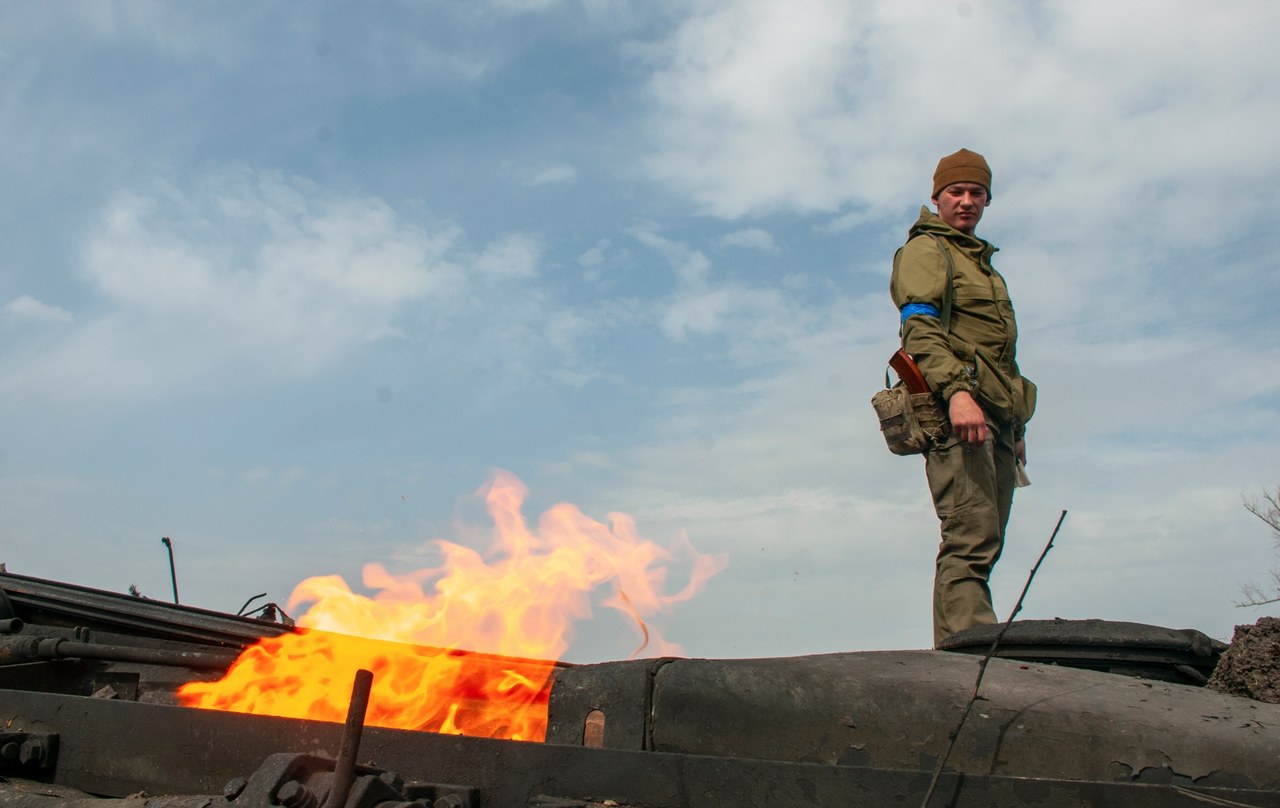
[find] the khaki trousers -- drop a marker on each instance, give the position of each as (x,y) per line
(972,488)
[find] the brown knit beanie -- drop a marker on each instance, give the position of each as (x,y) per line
(963,166)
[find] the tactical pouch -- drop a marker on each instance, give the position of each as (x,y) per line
(910,422)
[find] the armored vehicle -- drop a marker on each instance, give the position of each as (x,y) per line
(1067,713)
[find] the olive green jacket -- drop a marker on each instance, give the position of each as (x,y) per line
(978,351)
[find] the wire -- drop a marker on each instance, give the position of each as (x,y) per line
(982,666)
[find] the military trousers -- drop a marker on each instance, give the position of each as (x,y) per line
(972,488)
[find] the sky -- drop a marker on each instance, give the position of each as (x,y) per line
(290,283)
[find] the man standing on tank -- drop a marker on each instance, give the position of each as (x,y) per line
(958,324)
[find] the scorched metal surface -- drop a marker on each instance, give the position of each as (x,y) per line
(862,729)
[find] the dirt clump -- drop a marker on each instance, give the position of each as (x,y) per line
(1250,667)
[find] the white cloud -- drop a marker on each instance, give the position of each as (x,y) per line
(566,329)
(592,261)
(255,476)
(526,6)
(817,104)
(691,265)
(752,238)
(604,10)
(256,268)
(262,475)
(753,318)
(26,309)
(743,101)
(757,320)
(555,174)
(510,257)
(156,23)
(249,277)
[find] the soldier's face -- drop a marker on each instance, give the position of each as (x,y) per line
(961,204)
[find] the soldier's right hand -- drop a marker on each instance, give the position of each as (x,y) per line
(968,421)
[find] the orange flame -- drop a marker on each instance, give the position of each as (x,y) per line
(513,612)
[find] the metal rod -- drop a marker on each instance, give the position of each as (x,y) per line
(146,656)
(344,769)
(17,648)
(173,571)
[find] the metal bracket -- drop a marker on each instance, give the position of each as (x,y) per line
(28,754)
(304,781)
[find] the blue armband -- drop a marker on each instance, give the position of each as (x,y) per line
(919,308)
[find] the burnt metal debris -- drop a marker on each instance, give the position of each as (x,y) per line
(89,719)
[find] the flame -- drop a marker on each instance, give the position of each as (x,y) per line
(513,611)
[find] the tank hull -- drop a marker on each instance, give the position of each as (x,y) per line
(89,717)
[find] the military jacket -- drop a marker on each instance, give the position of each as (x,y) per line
(978,351)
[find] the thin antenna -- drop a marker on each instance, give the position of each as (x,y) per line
(173,571)
(982,666)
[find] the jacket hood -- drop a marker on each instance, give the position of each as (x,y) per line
(931,223)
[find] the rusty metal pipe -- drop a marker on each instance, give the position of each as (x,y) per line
(18,649)
(15,650)
(146,656)
(344,769)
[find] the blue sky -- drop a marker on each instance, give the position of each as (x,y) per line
(286,283)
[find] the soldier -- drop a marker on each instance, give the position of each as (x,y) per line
(958,324)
